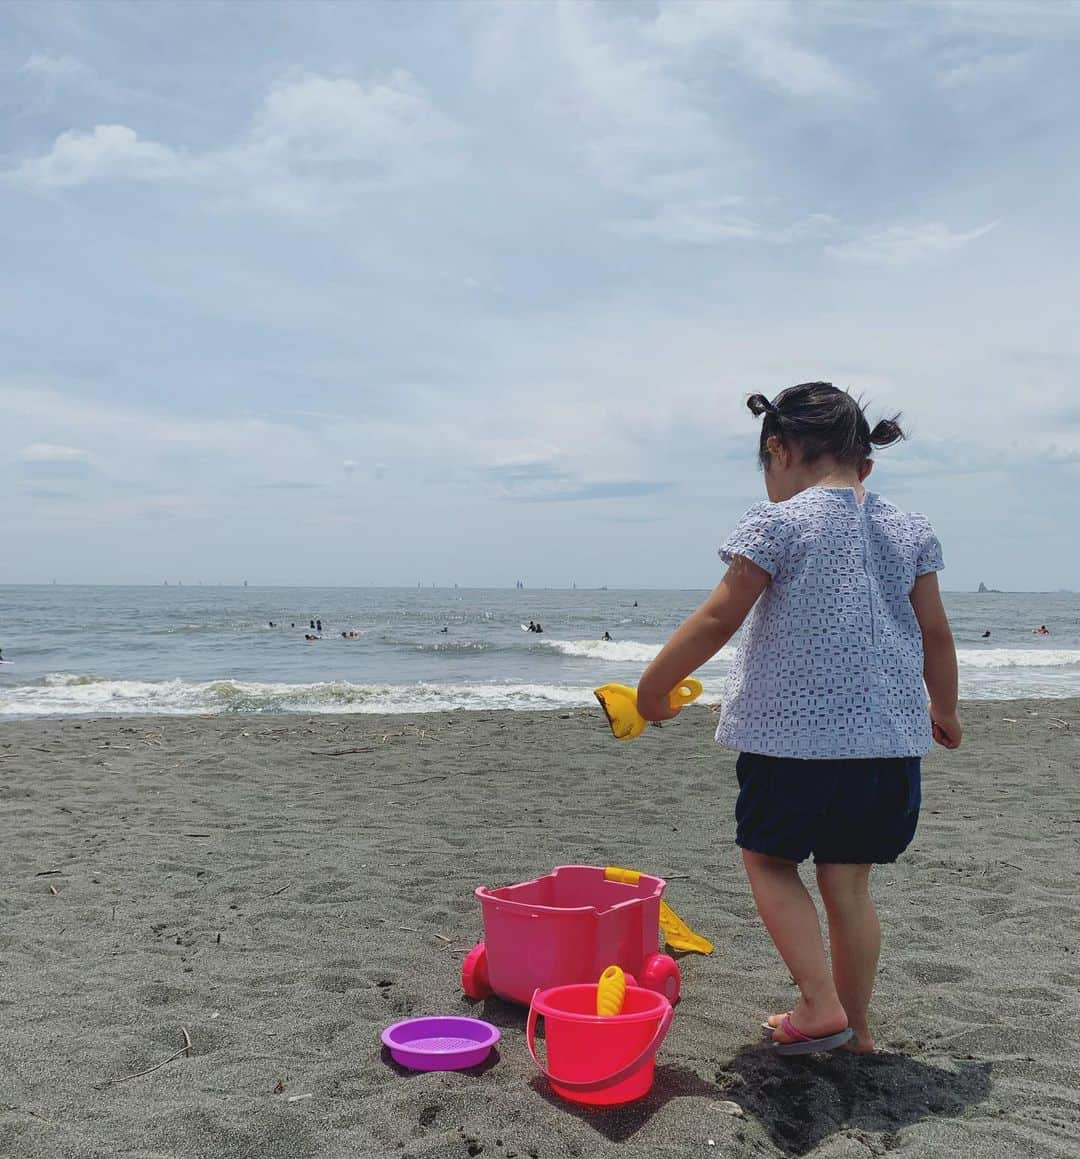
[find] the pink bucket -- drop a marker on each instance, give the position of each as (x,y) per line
(601,1060)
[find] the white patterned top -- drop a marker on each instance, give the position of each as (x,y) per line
(830,662)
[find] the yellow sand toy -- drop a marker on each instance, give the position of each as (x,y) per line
(619,702)
(677,934)
(610,991)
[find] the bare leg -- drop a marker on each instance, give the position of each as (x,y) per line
(855,936)
(791,919)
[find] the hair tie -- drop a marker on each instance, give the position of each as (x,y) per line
(771,408)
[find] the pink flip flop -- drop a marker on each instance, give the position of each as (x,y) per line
(803,1043)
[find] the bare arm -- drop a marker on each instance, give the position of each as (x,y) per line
(701,636)
(939,660)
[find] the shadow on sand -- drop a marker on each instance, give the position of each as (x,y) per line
(800,1101)
(620,1123)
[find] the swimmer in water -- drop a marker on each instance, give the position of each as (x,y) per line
(986,634)
(606,636)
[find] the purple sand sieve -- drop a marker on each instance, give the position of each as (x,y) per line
(435,1043)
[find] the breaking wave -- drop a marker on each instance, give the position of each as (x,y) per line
(65,694)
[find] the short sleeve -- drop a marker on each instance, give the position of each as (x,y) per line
(928,553)
(762,536)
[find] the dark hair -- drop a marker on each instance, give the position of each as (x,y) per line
(817,419)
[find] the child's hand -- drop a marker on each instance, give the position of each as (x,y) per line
(948,730)
(654,708)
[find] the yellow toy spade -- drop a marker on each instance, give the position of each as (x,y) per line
(619,702)
(677,934)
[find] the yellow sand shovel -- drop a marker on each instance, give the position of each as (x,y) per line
(619,702)
(677,934)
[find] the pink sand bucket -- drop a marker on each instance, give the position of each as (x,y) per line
(601,1060)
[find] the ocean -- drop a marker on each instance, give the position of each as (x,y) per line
(95,651)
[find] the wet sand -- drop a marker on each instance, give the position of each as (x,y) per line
(251,882)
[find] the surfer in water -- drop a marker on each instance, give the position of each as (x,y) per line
(606,636)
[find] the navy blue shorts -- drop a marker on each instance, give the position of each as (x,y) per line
(853,811)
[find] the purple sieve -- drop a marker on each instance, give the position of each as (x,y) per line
(440,1043)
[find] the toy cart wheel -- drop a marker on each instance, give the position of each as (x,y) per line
(474,973)
(661,974)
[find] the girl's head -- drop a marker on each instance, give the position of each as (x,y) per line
(814,431)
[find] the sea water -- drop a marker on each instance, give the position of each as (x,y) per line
(189,650)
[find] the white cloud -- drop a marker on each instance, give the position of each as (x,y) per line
(55,69)
(760,39)
(643,128)
(55,461)
(315,142)
(902,245)
(106,153)
(316,136)
(1028,20)
(984,69)
(708,224)
(53,453)
(692,225)
(704,224)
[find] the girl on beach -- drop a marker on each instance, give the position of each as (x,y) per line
(825,700)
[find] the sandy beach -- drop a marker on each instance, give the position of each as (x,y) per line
(281,888)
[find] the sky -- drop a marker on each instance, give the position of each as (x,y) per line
(467,293)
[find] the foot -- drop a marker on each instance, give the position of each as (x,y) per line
(862,1043)
(813,1022)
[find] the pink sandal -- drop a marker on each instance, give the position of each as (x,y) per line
(803,1043)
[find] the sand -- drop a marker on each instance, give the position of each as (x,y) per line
(250,881)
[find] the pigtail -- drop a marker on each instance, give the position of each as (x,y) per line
(887,432)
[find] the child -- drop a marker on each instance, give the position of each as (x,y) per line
(825,699)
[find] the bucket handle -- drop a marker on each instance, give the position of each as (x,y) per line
(610,1080)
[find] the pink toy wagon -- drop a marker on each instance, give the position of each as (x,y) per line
(565,928)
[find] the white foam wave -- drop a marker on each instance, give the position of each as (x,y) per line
(69,695)
(618,651)
(1018,657)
